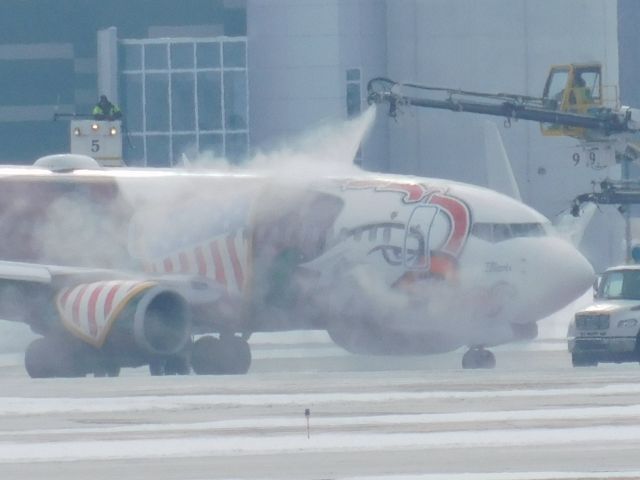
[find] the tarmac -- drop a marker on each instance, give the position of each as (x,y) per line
(369,418)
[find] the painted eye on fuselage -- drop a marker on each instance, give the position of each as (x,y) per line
(499,232)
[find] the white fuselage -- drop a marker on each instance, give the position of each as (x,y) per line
(440,263)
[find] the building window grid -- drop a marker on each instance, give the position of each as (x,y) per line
(224,123)
(354,80)
(354,105)
(144,116)
(143,71)
(195,94)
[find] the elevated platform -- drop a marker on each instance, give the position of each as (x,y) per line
(99,139)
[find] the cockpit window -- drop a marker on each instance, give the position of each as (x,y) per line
(498,232)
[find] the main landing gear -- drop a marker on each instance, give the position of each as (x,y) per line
(59,356)
(208,355)
(478,357)
(53,356)
(227,355)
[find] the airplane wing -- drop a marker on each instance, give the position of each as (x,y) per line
(46,274)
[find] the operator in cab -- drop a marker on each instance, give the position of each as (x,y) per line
(105,110)
(580,94)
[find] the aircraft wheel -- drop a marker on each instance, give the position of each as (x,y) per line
(156,367)
(37,359)
(234,355)
(106,368)
(177,365)
(203,358)
(113,370)
(583,360)
(49,357)
(478,357)
(229,355)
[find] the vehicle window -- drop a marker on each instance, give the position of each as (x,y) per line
(620,284)
(611,285)
(631,285)
(556,85)
(591,81)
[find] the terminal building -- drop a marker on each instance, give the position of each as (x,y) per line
(234,77)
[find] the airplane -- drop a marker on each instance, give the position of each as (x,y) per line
(176,268)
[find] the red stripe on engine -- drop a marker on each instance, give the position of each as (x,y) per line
(168,265)
(75,312)
(202,264)
(64,298)
(108,303)
(184,262)
(91,309)
(235,262)
(217,263)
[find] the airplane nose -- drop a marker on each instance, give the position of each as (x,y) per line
(576,274)
(563,274)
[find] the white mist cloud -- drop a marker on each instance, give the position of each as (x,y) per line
(327,149)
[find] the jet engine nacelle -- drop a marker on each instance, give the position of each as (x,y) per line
(139,317)
(161,322)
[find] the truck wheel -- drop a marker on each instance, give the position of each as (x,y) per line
(583,360)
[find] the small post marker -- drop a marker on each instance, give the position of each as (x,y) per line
(307,413)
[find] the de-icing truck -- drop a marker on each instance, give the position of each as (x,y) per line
(609,329)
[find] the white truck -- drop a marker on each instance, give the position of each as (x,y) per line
(609,329)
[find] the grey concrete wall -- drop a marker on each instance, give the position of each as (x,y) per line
(299,51)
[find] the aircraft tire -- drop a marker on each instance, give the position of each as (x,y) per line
(156,367)
(203,358)
(234,355)
(229,355)
(177,365)
(478,358)
(173,365)
(107,373)
(48,357)
(36,359)
(106,368)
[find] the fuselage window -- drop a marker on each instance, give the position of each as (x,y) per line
(498,232)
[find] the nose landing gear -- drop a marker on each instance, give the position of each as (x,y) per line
(478,357)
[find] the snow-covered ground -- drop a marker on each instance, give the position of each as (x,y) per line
(371,418)
(532,418)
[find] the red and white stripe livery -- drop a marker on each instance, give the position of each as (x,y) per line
(89,310)
(223,259)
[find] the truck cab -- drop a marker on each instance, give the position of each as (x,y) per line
(608,330)
(573,88)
